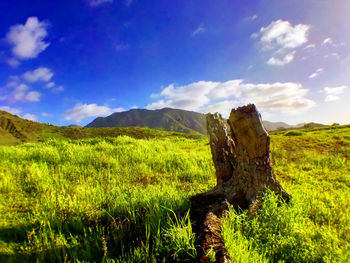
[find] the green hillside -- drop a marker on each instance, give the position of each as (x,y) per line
(167,119)
(111,199)
(15,130)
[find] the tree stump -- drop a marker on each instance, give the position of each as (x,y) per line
(241,153)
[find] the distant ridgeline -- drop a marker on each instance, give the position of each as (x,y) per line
(137,123)
(176,120)
(167,119)
(15,130)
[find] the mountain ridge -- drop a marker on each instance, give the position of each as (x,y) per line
(167,119)
(175,120)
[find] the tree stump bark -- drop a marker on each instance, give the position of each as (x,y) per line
(241,153)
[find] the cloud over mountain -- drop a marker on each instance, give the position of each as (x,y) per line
(83,111)
(204,96)
(332,94)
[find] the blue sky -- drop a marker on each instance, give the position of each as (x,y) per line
(65,62)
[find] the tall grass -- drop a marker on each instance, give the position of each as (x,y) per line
(126,200)
(99,198)
(315,226)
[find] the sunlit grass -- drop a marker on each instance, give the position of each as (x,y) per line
(315,225)
(111,199)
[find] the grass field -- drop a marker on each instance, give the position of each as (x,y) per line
(124,199)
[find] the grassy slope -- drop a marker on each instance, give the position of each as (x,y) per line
(15,130)
(109,198)
(167,119)
(313,165)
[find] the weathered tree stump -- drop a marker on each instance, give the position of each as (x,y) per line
(241,153)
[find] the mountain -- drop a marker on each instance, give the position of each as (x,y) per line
(171,120)
(167,119)
(15,130)
(273,126)
(313,125)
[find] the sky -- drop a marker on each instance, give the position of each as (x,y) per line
(68,62)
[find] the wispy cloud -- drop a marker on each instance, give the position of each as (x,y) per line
(50,85)
(316,73)
(99,2)
(23,93)
(204,95)
(17,88)
(19,92)
(31,117)
(121,47)
(128,2)
(250,18)
(58,89)
(13,62)
(27,40)
(310,46)
(283,38)
(17,111)
(12,110)
(332,94)
(82,111)
(281,59)
(199,30)
(327,41)
(333,55)
(40,74)
(45,114)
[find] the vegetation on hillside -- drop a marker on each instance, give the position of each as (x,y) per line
(15,130)
(167,118)
(126,200)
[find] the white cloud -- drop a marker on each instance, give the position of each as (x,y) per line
(83,111)
(281,34)
(50,85)
(281,61)
(251,18)
(13,62)
(31,117)
(32,96)
(58,89)
(283,38)
(28,39)
(332,55)
(203,96)
(99,2)
(45,114)
(40,74)
(14,111)
(310,46)
(199,30)
(333,93)
(327,41)
(3,97)
(21,92)
(17,88)
(316,73)
(254,35)
(224,107)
